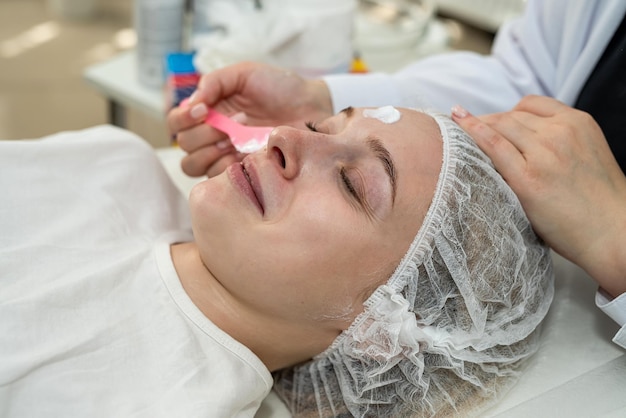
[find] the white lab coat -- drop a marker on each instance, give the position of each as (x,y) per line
(551,50)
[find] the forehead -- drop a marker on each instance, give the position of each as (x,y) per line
(411,124)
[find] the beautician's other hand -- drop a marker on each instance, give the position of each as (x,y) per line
(558,162)
(257,94)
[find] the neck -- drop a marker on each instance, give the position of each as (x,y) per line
(278,342)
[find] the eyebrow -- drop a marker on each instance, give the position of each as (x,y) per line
(347,111)
(382,153)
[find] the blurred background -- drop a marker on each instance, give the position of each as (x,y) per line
(42,59)
(47,45)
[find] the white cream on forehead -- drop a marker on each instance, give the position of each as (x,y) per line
(385,114)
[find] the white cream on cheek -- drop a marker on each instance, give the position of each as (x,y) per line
(385,114)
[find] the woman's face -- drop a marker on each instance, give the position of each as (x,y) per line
(306,229)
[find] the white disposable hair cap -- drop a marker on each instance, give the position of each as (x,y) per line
(450,330)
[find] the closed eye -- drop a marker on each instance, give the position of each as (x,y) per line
(348,184)
(356,191)
(311,126)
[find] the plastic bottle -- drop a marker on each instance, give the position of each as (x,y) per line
(159,25)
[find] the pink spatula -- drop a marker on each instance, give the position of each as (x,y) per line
(246,139)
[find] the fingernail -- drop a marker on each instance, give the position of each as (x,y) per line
(198,111)
(224,143)
(193,96)
(459,111)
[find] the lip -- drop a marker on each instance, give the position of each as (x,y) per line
(245,179)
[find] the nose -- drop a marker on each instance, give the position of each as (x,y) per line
(290,149)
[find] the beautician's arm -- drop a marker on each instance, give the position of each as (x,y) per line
(257,94)
(558,162)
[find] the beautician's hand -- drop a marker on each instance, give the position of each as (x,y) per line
(558,162)
(257,94)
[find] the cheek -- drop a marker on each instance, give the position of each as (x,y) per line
(205,197)
(317,244)
(199,197)
(204,203)
(216,221)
